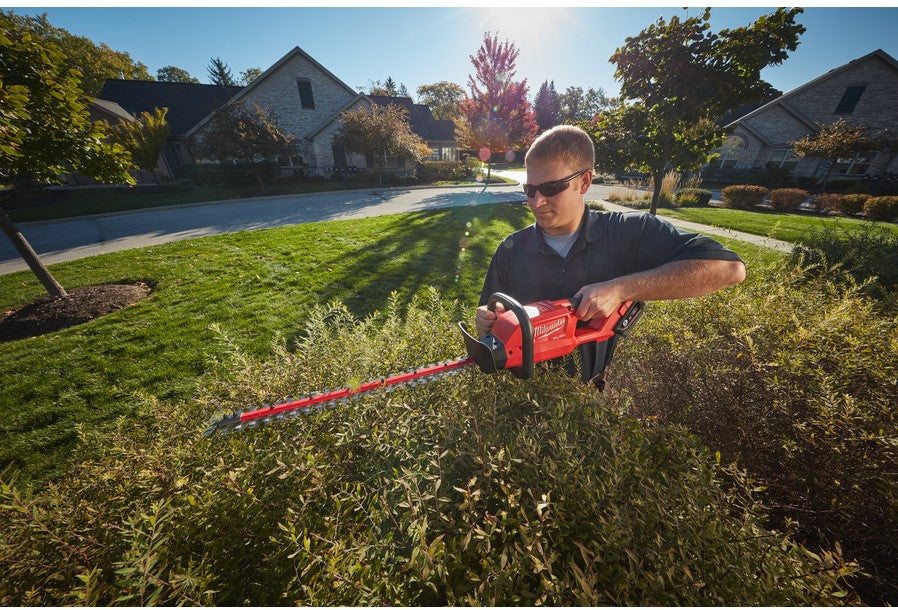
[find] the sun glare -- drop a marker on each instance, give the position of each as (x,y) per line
(527,28)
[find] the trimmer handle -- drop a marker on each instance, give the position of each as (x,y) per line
(526,369)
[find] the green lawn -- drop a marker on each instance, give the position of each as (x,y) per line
(253,285)
(779,225)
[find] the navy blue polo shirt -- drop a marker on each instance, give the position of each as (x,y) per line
(609,245)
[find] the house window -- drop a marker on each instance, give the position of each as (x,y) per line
(782,158)
(305,92)
(850,99)
(856,165)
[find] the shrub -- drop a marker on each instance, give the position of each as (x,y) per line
(869,253)
(474,490)
(795,381)
(434,171)
(828,202)
(786,199)
(742,196)
(852,203)
(229,174)
(693,197)
(882,208)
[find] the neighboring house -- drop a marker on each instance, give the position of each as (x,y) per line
(305,99)
(864,91)
(187,104)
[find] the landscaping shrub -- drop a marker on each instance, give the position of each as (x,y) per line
(434,171)
(742,196)
(474,490)
(795,380)
(693,197)
(828,202)
(882,208)
(227,174)
(786,199)
(852,203)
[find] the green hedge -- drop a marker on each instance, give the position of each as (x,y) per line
(474,490)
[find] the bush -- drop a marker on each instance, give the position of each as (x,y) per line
(227,174)
(827,202)
(691,197)
(475,489)
(796,382)
(851,204)
(882,208)
(742,196)
(434,171)
(786,199)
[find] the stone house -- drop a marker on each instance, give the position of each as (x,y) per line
(863,91)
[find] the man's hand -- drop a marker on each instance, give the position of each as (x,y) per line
(599,300)
(484,318)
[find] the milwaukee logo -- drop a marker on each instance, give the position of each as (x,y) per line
(541,331)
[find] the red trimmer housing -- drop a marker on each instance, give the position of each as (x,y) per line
(541,331)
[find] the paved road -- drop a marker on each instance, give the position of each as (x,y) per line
(69,239)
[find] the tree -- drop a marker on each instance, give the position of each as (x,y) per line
(388,88)
(44,129)
(577,106)
(443,98)
(383,131)
(496,116)
(842,140)
(249,75)
(547,106)
(683,75)
(237,133)
(95,62)
(144,138)
(172,74)
(633,137)
(220,73)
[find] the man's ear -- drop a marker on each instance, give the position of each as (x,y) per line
(587,181)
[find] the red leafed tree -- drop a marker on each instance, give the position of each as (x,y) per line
(497,115)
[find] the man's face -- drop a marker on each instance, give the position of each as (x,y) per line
(559,214)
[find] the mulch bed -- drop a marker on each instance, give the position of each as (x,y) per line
(48,314)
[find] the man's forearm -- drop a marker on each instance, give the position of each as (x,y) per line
(675,280)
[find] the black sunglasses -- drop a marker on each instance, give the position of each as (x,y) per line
(551,188)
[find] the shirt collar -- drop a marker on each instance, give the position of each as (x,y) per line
(591,229)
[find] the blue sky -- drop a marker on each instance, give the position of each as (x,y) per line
(423,45)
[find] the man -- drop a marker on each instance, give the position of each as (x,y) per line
(605,258)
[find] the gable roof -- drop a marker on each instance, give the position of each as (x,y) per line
(187,103)
(272,69)
(420,116)
(877,53)
(104,110)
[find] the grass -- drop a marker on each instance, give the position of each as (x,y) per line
(779,225)
(254,285)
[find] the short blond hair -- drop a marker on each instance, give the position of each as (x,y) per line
(567,142)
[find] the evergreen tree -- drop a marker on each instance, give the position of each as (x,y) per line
(220,73)
(547,106)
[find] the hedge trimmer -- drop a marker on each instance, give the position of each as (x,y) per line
(520,337)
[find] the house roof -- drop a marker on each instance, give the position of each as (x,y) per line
(888,59)
(421,117)
(271,70)
(187,103)
(104,110)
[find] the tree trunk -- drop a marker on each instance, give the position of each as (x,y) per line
(28,254)
(656,192)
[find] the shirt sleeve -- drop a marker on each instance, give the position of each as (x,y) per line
(656,242)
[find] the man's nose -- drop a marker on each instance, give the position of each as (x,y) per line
(539,200)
